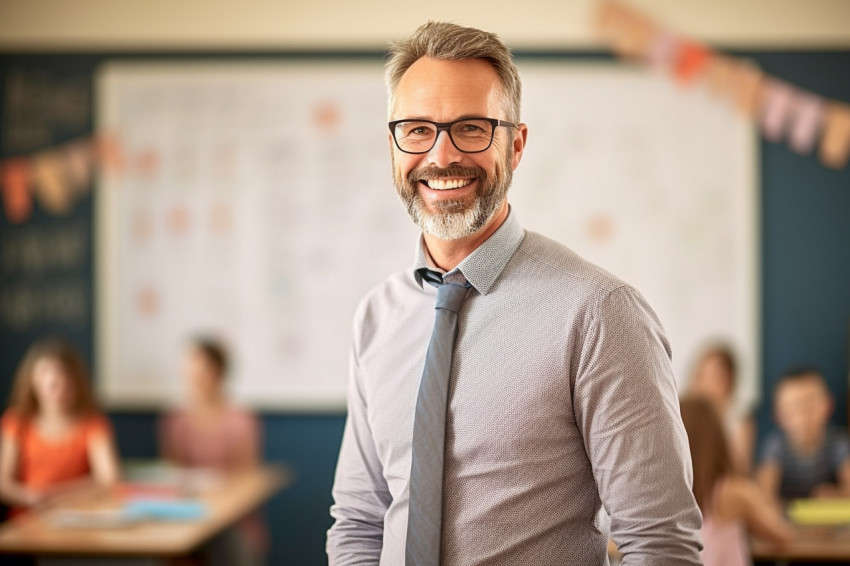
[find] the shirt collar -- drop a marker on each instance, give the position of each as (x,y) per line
(484,265)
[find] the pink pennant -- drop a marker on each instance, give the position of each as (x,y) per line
(662,51)
(776,108)
(807,112)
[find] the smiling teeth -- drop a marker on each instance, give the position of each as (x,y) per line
(442,184)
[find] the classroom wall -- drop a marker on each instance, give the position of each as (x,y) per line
(805,235)
(323,24)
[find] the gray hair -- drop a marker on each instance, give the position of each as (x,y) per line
(447,41)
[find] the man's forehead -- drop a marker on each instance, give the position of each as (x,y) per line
(446,86)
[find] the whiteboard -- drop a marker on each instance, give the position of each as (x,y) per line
(256,204)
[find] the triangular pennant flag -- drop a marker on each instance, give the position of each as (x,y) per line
(691,62)
(835,144)
(14,177)
(77,161)
(610,18)
(776,108)
(662,51)
(108,153)
(51,185)
(634,39)
(807,111)
(719,75)
(746,86)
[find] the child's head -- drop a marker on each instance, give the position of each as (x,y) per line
(802,406)
(709,449)
(715,374)
(205,367)
(52,377)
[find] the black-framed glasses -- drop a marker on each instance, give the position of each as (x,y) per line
(469,135)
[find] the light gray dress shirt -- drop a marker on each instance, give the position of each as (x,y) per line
(562,412)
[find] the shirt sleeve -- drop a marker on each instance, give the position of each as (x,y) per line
(10,425)
(98,426)
(168,435)
(772,449)
(360,492)
(627,409)
(841,450)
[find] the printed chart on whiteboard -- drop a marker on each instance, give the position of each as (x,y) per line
(256,204)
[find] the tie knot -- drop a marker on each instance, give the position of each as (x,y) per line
(450,296)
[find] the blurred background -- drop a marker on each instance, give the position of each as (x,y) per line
(171,169)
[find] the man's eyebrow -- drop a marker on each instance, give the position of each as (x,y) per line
(427,119)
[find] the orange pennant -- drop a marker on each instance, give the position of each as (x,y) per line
(108,154)
(50,182)
(629,33)
(835,144)
(719,74)
(746,86)
(691,61)
(635,39)
(77,163)
(610,18)
(15,176)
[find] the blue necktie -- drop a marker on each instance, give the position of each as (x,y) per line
(424,523)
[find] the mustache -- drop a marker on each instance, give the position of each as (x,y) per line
(426,173)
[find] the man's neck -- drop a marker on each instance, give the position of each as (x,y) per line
(447,254)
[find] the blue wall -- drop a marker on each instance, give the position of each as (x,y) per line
(805,245)
(805,297)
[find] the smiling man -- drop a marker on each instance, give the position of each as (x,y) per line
(534,410)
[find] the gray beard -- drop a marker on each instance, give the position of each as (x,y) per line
(455,219)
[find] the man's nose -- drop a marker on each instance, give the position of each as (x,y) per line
(444,152)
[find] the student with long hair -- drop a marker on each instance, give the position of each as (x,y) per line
(54,436)
(715,377)
(731,504)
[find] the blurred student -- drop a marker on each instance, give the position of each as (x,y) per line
(210,432)
(806,457)
(54,437)
(731,503)
(715,379)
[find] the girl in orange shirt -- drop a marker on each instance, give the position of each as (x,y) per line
(53,435)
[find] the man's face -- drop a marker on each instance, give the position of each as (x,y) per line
(448,193)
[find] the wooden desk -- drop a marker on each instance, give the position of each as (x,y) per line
(235,498)
(818,543)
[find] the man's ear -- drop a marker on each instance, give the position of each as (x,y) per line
(519,141)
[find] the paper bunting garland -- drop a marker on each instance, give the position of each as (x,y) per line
(56,176)
(784,112)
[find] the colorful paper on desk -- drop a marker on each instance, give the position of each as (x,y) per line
(820,511)
(91,518)
(166,509)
